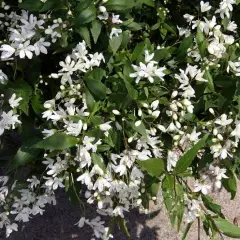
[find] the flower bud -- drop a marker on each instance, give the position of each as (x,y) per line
(211,111)
(174,94)
(215,131)
(116,112)
(138,123)
(156,114)
(155,104)
(102,9)
(220,137)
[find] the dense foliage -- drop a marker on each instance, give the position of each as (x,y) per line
(115,100)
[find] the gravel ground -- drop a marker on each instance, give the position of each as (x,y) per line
(58,221)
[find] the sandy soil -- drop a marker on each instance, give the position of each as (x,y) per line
(58,221)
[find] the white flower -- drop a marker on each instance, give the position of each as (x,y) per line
(54,183)
(10,228)
(225,8)
(40,46)
(3,77)
(85,178)
(229,40)
(13,101)
(100,184)
(105,127)
(74,129)
(115,19)
(7,120)
(172,159)
(48,132)
(209,25)
(25,49)
(236,131)
(88,143)
(154,104)
(33,181)
(115,32)
(148,57)
(104,16)
(232,26)
(223,121)
(184,31)
(188,17)
(201,186)
(7,51)
(81,222)
(205,6)
(216,48)
(84,157)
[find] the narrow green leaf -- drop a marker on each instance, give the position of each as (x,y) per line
(154,166)
(208,202)
(227,228)
(58,141)
(185,161)
(210,83)
(186,231)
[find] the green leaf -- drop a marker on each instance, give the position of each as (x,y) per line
(97,88)
(150,3)
(161,54)
(98,160)
(85,34)
(133,26)
(83,4)
(58,141)
(230,183)
(185,44)
(31,5)
(186,231)
(208,202)
(52,5)
(201,42)
(122,224)
(186,160)
(140,129)
(96,30)
(119,5)
(131,91)
(87,15)
(90,101)
(25,154)
(154,166)
(115,43)
(37,104)
(210,83)
(227,228)
(137,51)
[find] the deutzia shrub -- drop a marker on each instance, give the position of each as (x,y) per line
(116,100)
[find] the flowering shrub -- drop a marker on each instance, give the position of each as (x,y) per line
(115,100)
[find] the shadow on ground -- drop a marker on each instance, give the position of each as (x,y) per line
(57,223)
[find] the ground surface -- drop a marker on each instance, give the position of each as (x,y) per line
(58,221)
